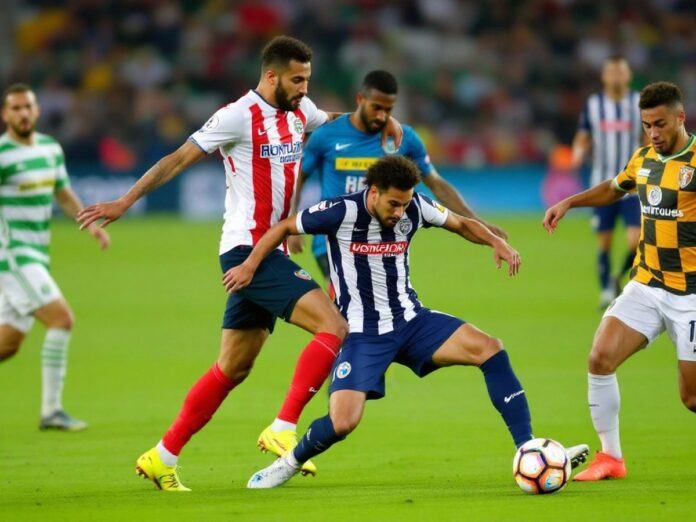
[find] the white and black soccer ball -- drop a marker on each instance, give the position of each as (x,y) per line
(541,466)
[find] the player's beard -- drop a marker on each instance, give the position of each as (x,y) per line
(371,126)
(285,103)
(23,129)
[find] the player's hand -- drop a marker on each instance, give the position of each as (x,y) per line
(554,215)
(392,129)
(101,235)
(496,230)
(504,252)
(237,278)
(109,212)
(296,244)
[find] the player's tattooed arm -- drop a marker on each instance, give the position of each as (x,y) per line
(476,232)
(453,200)
(240,276)
(605,193)
(160,173)
(392,129)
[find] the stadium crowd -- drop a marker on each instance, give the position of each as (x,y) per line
(497,82)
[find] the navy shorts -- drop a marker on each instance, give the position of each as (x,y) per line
(628,208)
(364,359)
(273,292)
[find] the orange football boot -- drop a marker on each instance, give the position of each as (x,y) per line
(603,466)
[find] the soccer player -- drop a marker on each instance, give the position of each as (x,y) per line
(369,234)
(610,127)
(32,175)
(662,293)
(339,154)
(260,140)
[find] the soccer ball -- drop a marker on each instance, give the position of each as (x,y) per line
(541,466)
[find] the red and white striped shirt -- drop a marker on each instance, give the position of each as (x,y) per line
(261,148)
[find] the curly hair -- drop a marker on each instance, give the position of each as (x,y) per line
(393,171)
(660,93)
(279,51)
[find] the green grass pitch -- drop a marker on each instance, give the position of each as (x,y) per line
(148,315)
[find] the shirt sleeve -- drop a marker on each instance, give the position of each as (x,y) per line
(416,151)
(584,120)
(433,214)
(312,154)
(62,179)
(323,218)
(315,117)
(626,179)
(223,127)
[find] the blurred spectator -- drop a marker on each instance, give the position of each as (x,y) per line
(497,82)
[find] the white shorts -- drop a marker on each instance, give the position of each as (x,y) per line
(651,311)
(22,292)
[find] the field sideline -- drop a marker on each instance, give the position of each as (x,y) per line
(148,315)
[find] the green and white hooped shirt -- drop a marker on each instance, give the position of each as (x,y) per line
(29,177)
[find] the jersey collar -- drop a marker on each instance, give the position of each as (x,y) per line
(264,99)
(689,144)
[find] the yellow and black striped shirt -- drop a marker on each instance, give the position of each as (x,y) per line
(666,187)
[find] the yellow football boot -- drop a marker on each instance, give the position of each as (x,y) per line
(280,442)
(150,466)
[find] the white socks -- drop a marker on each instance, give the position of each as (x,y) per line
(605,401)
(281,425)
(54,362)
(167,456)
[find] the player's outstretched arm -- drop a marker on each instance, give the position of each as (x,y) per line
(71,205)
(453,200)
(605,193)
(160,173)
(476,232)
(240,276)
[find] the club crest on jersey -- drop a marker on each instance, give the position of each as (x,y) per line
(686,174)
(303,274)
(343,370)
(299,127)
(405,226)
(655,196)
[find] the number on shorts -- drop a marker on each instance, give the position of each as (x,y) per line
(692,330)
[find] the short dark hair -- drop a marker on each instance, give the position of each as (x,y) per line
(393,171)
(660,93)
(616,57)
(14,89)
(279,51)
(383,81)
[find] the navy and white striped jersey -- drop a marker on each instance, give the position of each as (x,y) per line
(616,130)
(369,262)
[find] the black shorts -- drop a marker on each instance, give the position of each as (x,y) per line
(273,292)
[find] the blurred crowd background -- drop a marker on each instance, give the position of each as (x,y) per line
(485,82)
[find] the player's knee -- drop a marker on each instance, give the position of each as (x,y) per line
(601,362)
(335,324)
(9,348)
(486,349)
(64,320)
(344,424)
(689,400)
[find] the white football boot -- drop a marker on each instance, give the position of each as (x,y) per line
(273,476)
(577,454)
